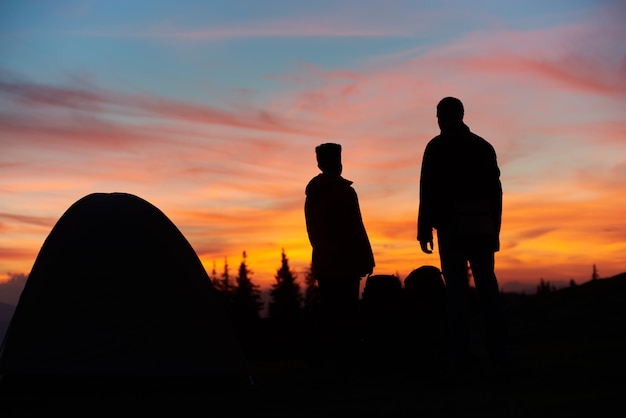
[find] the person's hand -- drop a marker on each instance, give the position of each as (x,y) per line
(427,246)
(368,273)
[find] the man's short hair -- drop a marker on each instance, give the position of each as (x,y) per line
(328,156)
(450,108)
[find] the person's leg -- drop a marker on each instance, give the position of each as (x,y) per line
(339,301)
(328,296)
(454,269)
(483,269)
(347,336)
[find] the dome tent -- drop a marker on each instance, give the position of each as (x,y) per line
(117,291)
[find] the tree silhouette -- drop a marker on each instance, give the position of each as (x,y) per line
(215,280)
(594,274)
(286,301)
(245,307)
(226,287)
(545,287)
(223,285)
(246,300)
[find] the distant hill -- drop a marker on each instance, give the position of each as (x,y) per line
(529,288)
(576,331)
(6,312)
(11,290)
(588,301)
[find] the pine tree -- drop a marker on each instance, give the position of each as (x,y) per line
(285,304)
(594,274)
(545,287)
(227,287)
(246,301)
(223,284)
(215,280)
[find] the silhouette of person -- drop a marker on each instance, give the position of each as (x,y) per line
(341,252)
(461,198)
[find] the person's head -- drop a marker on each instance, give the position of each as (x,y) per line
(450,112)
(329,158)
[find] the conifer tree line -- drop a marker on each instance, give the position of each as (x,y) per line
(242,297)
(288,301)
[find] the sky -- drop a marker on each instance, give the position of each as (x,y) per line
(211,111)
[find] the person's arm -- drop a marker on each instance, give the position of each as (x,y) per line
(365,255)
(496,198)
(424,217)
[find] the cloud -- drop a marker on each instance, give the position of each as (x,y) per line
(603,178)
(113,137)
(552,63)
(139,105)
(31,220)
(535,232)
(585,56)
(15,253)
(11,288)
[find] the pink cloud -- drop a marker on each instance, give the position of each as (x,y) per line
(576,72)
(606,180)
(30,220)
(99,101)
(587,56)
(11,253)
(50,131)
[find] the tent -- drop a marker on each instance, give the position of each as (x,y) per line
(117,292)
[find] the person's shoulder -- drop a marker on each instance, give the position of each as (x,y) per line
(315,179)
(314,184)
(475,136)
(324,183)
(345,183)
(434,141)
(480,140)
(344,188)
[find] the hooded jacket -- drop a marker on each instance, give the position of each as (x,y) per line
(460,188)
(341,247)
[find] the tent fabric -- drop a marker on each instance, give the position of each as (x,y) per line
(117,290)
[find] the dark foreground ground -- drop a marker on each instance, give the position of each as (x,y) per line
(568,358)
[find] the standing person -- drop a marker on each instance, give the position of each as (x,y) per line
(461,198)
(341,255)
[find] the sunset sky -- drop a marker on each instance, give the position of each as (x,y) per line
(211,110)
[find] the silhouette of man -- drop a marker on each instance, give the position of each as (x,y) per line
(461,198)
(341,254)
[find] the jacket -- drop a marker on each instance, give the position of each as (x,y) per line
(339,241)
(460,188)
